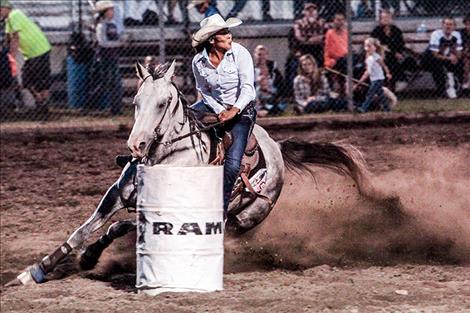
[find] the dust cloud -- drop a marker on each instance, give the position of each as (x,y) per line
(419,214)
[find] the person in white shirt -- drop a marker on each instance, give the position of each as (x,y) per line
(375,67)
(443,58)
(224,74)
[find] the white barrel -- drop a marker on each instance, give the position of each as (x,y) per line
(180,243)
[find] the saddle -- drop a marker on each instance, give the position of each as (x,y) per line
(252,161)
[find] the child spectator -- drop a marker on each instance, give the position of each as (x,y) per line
(375,67)
(269,82)
(311,89)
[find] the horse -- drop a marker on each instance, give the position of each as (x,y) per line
(165,131)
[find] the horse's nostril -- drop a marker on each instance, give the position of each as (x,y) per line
(142,145)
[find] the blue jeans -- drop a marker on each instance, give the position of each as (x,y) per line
(375,88)
(240,127)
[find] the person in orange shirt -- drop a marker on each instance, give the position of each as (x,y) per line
(336,50)
(336,41)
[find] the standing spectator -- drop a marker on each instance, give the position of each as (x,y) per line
(109,39)
(375,67)
(443,58)
(240,4)
(311,89)
(205,7)
(309,33)
(391,38)
(269,82)
(27,37)
(336,49)
(465,32)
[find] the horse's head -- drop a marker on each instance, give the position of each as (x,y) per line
(152,107)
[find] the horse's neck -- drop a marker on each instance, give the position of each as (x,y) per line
(191,150)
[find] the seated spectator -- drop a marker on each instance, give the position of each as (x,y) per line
(240,4)
(311,89)
(465,33)
(309,33)
(205,7)
(443,58)
(269,80)
(391,38)
(364,9)
(336,50)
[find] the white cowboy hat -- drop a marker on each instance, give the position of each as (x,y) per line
(211,25)
(103,5)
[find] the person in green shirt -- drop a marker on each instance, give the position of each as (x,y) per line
(26,36)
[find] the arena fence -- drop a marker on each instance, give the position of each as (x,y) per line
(86,81)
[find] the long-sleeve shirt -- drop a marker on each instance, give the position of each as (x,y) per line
(302,90)
(109,38)
(395,42)
(336,46)
(230,83)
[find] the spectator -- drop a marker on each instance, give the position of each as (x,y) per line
(375,67)
(443,58)
(240,4)
(205,7)
(108,78)
(364,9)
(391,38)
(27,37)
(184,12)
(465,33)
(309,33)
(336,50)
(311,89)
(269,82)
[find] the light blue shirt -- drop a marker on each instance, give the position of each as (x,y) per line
(231,83)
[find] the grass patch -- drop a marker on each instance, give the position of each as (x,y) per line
(432,105)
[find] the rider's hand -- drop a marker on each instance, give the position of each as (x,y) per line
(227,115)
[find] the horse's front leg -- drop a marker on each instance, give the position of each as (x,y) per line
(121,194)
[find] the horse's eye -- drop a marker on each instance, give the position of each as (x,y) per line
(161,105)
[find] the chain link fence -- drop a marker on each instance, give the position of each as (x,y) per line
(84,67)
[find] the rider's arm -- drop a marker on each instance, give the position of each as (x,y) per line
(246,75)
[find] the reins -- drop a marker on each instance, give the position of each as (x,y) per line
(157,134)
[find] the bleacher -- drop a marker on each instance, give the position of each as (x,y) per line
(57,18)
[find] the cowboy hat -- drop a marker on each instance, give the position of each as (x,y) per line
(103,5)
(211,25)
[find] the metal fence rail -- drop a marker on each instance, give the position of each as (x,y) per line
(85,83)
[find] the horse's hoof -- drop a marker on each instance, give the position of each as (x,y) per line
(33,274)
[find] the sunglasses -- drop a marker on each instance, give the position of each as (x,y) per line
(224,31)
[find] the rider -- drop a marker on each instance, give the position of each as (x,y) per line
(224,75)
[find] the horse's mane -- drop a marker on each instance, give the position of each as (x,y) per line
(159,71)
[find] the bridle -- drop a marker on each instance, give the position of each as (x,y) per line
(158,134)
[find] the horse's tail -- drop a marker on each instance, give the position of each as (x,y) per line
(341,158)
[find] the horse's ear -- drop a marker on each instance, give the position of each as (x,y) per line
(169,73)
(141,71)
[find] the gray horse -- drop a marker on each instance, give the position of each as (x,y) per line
(166,132)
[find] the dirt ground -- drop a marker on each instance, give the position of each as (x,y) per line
(323,248)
